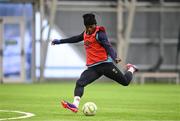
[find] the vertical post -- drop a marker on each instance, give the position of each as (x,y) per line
(131,12)
(120,40)
(123,40)
(23,53)
(45,47)
(41,4)
(1,51)
(33,56)
(161,35)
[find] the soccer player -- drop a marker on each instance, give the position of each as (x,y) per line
(99,59)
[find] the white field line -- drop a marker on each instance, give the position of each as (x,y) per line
(26,115)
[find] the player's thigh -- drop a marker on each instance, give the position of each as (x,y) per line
(112,72)
(87,77)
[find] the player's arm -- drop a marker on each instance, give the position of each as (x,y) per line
(103,40)
(73,39)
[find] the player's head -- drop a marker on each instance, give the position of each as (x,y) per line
(89,22)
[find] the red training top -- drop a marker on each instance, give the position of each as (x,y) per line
(95,52)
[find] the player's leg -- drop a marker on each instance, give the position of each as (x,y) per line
(87,77)
(112,72)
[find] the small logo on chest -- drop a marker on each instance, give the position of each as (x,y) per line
(87,43)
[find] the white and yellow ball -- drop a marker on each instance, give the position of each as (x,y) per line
(89,109)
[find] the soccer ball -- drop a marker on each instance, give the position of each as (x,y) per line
(89,109)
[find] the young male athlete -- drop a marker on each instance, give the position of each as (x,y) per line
(99,59)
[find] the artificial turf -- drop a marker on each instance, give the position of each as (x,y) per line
(149,102)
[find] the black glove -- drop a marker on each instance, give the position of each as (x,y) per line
(55,41)
(118,60)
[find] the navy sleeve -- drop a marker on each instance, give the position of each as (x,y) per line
(103,40)
(73,39)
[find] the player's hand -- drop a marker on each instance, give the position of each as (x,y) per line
(118,60)
(55,41)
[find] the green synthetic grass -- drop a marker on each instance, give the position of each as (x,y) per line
(157,102)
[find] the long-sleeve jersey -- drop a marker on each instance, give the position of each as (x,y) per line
(101,38)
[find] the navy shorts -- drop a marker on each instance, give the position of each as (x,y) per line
(107,69)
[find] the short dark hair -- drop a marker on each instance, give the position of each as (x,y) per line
(89,19)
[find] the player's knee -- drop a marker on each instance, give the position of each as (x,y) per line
(80,84)
(125,83)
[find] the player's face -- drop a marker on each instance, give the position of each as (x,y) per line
(90,29)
